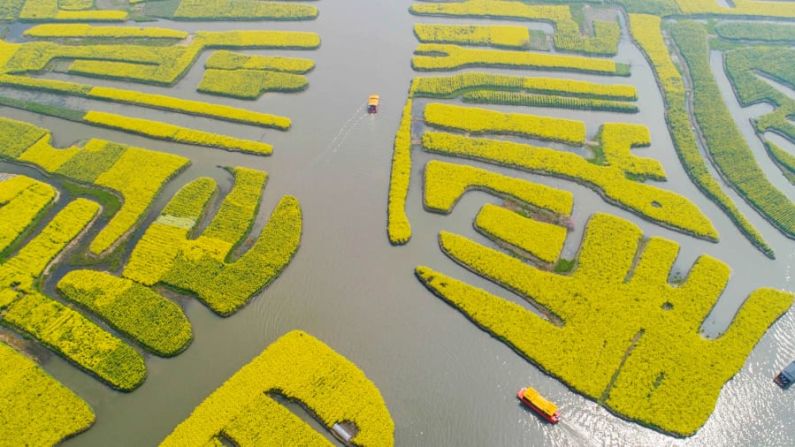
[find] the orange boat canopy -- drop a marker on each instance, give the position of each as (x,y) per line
(373,100)
(544,405)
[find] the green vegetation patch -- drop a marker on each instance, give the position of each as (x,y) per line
(766,32)
(747,68)
(647,32)
(784,159)
(725,143)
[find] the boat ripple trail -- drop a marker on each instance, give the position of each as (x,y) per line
(352,121)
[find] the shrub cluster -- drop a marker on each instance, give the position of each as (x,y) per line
(766,32)
(536,100)
(745,65)
(784,159)
(155,101)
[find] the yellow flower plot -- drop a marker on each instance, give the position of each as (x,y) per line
(656,204)
(250,84)
(542,240)
(452,86)
(628,338)
(493,89)
(136,174)
(567,31)
(300,368)
(34,408)
(22,201)
(506,36)
(479,121)
(83,31)
(135,310)
(228,60)
(156,56)
(68,11)
(177,134)
(248,77)
(154,101)
(25,309)
(429,57)
(398,226)
(446,183)
(207,265)
(243,10)
(155,64)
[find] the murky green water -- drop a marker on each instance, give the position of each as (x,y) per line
(445,381)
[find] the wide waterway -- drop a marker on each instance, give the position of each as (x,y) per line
(446,382)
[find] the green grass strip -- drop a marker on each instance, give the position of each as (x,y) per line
(726,145)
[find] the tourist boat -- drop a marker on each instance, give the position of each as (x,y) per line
(785,378)
(537,403)
(372,103)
